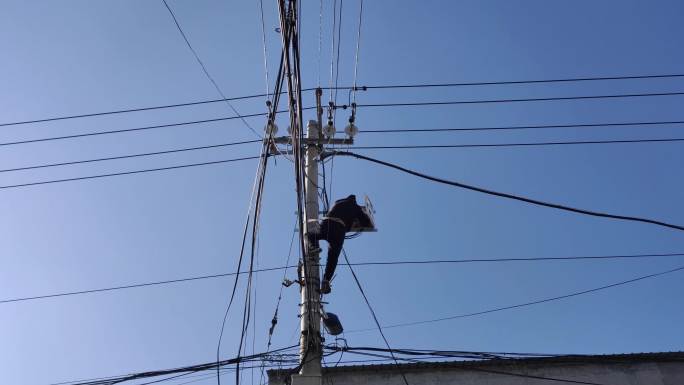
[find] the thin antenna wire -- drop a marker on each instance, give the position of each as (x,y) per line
(204,69)
(337,59)
(320,41)
(358,44)
(263,41)
(332,50)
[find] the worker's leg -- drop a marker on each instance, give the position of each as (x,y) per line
(315,234)
(335,237)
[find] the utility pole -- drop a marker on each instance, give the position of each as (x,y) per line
(310,311)
(311,348)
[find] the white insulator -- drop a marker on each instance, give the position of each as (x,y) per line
(329,130)
(351,130)
(271,129)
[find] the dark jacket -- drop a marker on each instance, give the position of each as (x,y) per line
(348,211)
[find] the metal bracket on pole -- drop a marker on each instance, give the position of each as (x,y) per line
(309,141)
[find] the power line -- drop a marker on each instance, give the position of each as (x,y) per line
(358,45)
(130,156)
(491,101)
(193,122)
(510,196)
(490,371)
(280,358)
(398,147)
(139,109)
(461,353)
(86,134)
(206,72)
(331,87)
(180,370)
(263,42)
(476,369)
(370,263)
(532,81)
(528,144)
(523,259)
(525,304)
(126,173)
(524,127)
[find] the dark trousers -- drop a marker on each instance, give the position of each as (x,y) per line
(333,233)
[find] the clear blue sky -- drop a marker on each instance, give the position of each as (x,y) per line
(72,57)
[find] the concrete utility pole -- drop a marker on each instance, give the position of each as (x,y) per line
(310,308)
(310,311)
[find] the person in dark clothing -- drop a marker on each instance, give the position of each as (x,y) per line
(342,216)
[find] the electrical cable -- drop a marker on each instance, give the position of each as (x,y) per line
(525,127)
(525,304)
(129,110)
(528,81)
(492,101)
(356,56)
(332,49)
(127,172)
(417,354)
(88,134)
(274,320)
(248,158)
(320,43)
(527,144)
(509,196)
(206,72)
(263,42)
(97,133)
(255,227)
(331,87)
(239,264)
(129,156)
(185,369)
(337,65)
(499,372)
(370,263)
(289,22)
(375,318)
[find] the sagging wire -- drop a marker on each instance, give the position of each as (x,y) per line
(255,228)
(242,250)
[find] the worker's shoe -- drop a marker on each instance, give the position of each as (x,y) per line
(325,287)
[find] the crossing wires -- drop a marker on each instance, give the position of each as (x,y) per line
(289,24)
